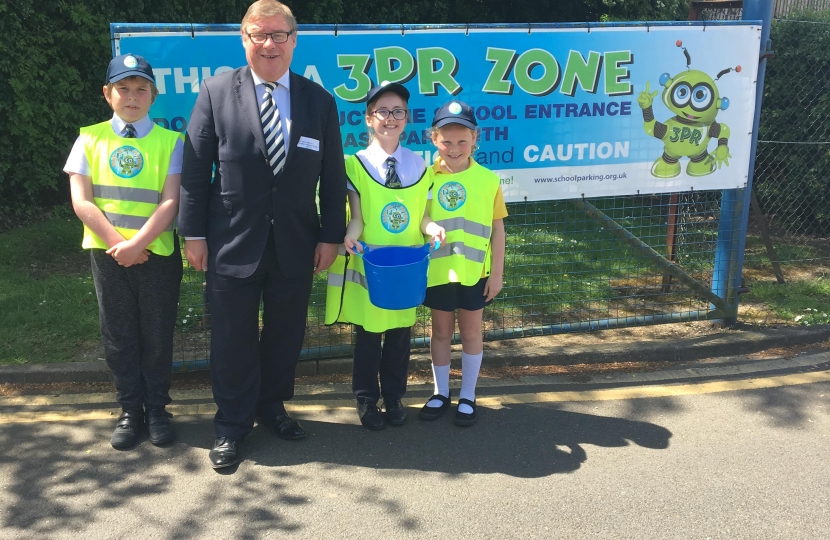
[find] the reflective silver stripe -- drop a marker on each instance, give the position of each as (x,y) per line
(469,227)
(356,277)
(336,280)
(125,221)
(130,194)
(458,248)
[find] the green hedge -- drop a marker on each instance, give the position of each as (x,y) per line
(54,54)
(792,181)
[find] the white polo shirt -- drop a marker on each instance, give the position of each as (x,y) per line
(76,163)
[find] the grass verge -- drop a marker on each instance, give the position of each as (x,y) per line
(47,299)
(561,267)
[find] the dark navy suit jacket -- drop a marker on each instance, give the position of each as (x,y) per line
(235,211)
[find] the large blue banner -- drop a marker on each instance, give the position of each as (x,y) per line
(566,111)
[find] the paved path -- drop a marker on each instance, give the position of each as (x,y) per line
(726,449)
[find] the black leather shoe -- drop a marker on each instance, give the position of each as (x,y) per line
(465,419)
(370,416)
(284,426)
(395,412)
(159,426)
(225,452)
(127,429)
(434,413)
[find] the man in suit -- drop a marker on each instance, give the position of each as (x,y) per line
(269,135)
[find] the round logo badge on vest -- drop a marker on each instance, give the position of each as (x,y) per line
(126,162)
(394,217)
(452,196)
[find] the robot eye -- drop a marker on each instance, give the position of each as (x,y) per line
(681,95)
(701,97)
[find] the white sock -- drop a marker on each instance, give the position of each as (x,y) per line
(470,365)
(441,376)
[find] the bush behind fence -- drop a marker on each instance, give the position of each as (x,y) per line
(792,168)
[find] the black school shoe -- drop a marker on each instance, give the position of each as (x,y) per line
(465,419)
(434,413)
(225,452)
(127,429)
(395,412)
(284,426)
(370,416)
(159,426)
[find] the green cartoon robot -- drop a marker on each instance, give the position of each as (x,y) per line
(127,164)
(396,219)
(694,98)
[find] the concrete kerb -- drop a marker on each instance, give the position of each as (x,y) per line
(500,354)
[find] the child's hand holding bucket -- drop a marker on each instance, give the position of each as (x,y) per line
(353,245)
(436,234)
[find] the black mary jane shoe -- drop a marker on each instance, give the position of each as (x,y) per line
(434,413)
(284,426)
(465,419)
(127,429)
(225,452)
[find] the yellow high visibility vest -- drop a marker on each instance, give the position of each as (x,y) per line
(392,217)
(462,203)
(127,178)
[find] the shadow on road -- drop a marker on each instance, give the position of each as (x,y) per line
(522,441)
(62,477)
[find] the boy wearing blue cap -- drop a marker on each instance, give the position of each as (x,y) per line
(124,180)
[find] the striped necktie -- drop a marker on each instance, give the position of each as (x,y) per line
(129,132)
(392,180)
(269,115)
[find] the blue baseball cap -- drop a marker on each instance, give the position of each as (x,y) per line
(385,87)
(129,65)
(455,112)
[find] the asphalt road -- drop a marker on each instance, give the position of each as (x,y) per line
(730,449)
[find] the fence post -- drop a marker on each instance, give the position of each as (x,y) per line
(729,258)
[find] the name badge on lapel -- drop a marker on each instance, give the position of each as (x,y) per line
(309,144)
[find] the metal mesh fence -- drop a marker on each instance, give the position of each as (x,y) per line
(571,265)
(792,168)
(790,215)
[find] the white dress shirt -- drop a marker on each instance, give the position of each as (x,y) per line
(77,163)
(282,98)
(409,165)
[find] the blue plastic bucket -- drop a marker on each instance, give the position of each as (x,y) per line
(396,276)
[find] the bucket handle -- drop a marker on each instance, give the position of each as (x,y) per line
(365,248)
(426,248)
(429,250)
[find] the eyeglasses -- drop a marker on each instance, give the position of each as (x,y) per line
(276,37)
(383,114)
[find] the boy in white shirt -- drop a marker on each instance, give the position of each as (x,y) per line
(124,176)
